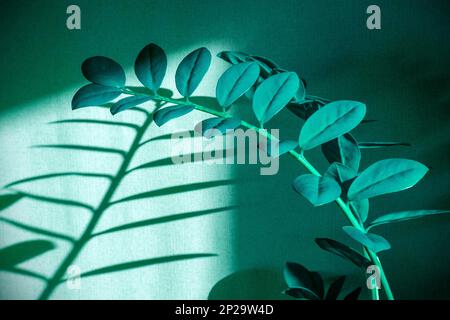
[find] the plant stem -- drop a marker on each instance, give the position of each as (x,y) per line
(78,245)
(300,158)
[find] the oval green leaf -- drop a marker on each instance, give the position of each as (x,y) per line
(372,241)
(236,81)
(94,95)
(21,252)
(343,251)
(331,121)
(276,148)
(128,102)
(317,190)
(344,149)
(273,94)
(386,176)
(234,57)
(298,277)
(103,71)
(339,172)
(212,127)
(403,216)
(361,208)
(376,145)
(162,116)
(191,71)
(150,66)
(335,288)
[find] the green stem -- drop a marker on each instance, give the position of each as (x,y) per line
(300,158)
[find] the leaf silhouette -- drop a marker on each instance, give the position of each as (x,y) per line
(343,251)
(168,136)
(55,200)
(172,190)
(7,200)
(21,252)
(57,175)
(170,218)
(102,122)
(145,263)
(335,288)
(194,157)
(38,230)
(81,148)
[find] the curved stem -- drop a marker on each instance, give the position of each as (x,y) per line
(308,166)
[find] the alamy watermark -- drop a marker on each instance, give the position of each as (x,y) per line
(237,146)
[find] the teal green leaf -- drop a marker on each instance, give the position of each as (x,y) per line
(343,251)
(317,283)
(354,295)
(300,278)
(335,288)
(21,252)
(361,207)
(103,71)
(212,127)
(236,81)
(303,109)
(301,293)
(273,94)
(191,71)
(128,102)
(7,200)
(386,176)
(403,216)
(162,116)
(317,190)
(339,172)
(331,121)
(276,148)
(344,149)
(94,95)
(234,57)
(376,145)
(150,66)
(372,241)
(266,65)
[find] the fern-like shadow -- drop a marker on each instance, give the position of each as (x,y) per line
(11,257)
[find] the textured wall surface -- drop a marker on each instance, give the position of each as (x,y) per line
(402,73)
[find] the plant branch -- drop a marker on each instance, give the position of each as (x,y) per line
(305,163)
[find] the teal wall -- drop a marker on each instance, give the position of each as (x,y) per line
(401,72)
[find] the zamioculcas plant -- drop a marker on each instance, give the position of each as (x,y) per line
(271,89)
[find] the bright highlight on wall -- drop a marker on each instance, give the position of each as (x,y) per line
(168,232)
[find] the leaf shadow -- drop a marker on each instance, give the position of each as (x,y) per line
(8,257)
